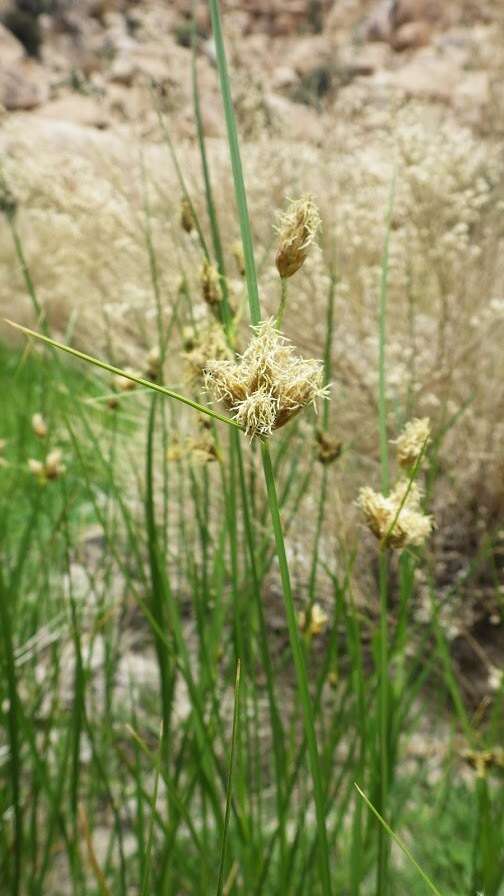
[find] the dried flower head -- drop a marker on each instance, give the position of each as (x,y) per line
(396,520)
(328,449)
(8,204)
(210,284)
(153,364)
(483,760)
(297,230)
(413,440)
(122,383)
(268,384)
(51,468)
(39,426)
(237,253)
(208,344)
(186,216)
(313,621)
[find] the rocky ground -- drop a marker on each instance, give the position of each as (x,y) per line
(297,64)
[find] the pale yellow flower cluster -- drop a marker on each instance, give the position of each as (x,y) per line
(268,384)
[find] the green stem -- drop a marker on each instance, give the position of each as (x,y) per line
(301,674)
(283,302)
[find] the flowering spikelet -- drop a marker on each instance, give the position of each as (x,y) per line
(39,426)
(237,253)
(396,520)
(210,284)
(297,231)
(328,448)
(122,383)
(209,344)
(268,384)
(153,364)
(313,621)
(51,468)
(413,440)
(186,216)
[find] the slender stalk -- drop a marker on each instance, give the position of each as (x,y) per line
(384,719)
(169,393)
(234,150)
(236,713)
(432,887)
(255,316)
(301,674)
(283,302)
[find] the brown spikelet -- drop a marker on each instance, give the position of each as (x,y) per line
(297,230)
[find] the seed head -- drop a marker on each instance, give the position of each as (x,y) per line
(313,621)
(268,384)
(153,364)
(39,426)
(210,284)
(237,253)
(207,345)
(297,230)
(122,383)
(414,439)
(51,468)
(328,449)
(186,216)
(396,520)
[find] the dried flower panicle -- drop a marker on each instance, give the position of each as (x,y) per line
(239,258)
(268,384)
(328,449)
(51,468)
(413,441)
(199,450)
(39,426)
(210,284)
(396,520)
(313,621)
(297,230)
(3,462)
(202,347)
(483,760)
(186,216)
(123,383)
(153,364)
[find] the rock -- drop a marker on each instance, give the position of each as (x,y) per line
(378,25)
(11,50)
(78,109)
(364,60)
(472,96)
(122,70)
(294,121)
(284,77)
(20,88)
(426,77)
(308,54)
(407,11)
(411,35)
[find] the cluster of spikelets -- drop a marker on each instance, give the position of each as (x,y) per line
(313,621)
(397,519)
(268,384)
(203,347)
(297,230)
